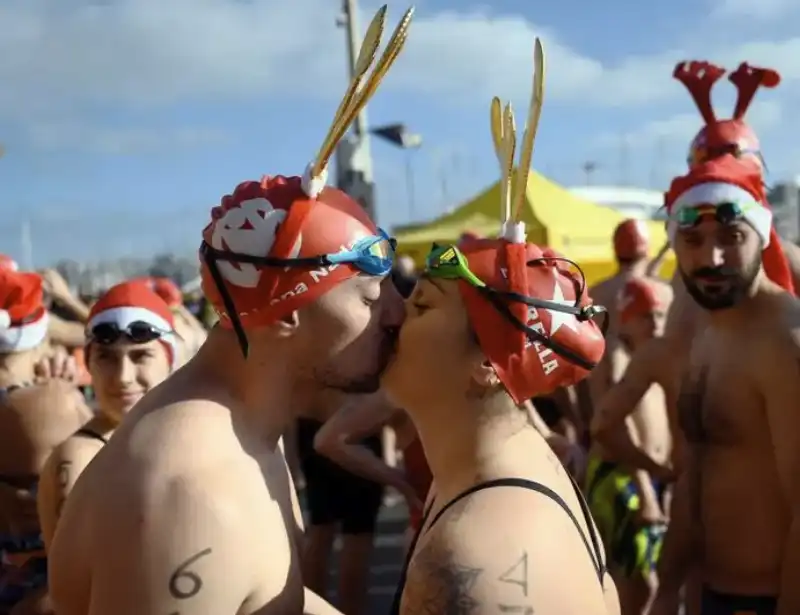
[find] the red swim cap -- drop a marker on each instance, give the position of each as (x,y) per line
(637,298)
(528,368)
(276,218)
(631,240)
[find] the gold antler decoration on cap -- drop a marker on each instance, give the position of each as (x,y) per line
(359,91)
(504,137)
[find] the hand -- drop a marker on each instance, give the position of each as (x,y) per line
(58,366)
(650,513)
(55,285)
(18,513)
(664,474)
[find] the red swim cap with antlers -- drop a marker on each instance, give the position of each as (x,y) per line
(724,136)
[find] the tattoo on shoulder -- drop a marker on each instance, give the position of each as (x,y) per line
(185,583)
(444,585)
(516,575)
(63,471)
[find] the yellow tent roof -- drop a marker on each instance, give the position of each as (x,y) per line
(554,217)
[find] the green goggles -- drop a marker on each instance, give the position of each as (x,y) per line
(724,213)
(448,263)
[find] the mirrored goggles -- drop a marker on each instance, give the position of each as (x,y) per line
(724,213)
(138,332)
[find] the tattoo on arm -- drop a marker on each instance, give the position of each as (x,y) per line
(183,583)
(63,471)
(517,574)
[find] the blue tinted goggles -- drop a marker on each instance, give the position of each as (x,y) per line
(373,255)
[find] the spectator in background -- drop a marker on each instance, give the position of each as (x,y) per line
(35,416)
(130,348)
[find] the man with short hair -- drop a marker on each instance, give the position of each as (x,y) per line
(190,507)
(736,513)
(631,449)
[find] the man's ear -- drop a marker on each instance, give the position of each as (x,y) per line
(286,326)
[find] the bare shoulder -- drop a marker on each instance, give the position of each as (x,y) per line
(504,551)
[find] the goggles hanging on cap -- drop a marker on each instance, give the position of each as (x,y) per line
(449,263)
(724,213)
(138,332)
(373,255)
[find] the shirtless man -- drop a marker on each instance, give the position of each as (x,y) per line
(491,324)
(193,490)
(131,347)
(737,503)
(34,418)
(631,435)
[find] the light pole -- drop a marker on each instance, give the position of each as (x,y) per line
(353,157)
(400,136)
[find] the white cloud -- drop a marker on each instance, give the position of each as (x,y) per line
(53,136)
(65,59)
(137,52)
(681,128)
(759,10)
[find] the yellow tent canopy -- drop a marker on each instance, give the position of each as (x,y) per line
(556,218)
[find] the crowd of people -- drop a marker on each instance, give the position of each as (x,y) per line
(627,448)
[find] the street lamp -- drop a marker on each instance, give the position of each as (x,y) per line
(400,136)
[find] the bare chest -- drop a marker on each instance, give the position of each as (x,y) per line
(719,400)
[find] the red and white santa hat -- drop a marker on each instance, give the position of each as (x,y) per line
(731,180)
(23,316)
(130,302)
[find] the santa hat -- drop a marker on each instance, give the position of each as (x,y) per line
(130,302)
(166,289)
(730,180)
(23,316)
(6,262)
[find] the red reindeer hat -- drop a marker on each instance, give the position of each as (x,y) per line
(728,136)
(291,218)
(550,341)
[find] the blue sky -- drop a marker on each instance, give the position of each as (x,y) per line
(124,121)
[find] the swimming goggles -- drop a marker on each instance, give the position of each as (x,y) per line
(373,255)
(449,263)
(138,332)
(724,213)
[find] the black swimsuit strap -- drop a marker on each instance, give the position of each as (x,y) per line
(594,549)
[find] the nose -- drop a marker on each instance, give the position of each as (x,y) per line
(392,308)
(126,371)
(713,255)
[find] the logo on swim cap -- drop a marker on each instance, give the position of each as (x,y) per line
(249,228)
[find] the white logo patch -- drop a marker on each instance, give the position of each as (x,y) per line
(229,235)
